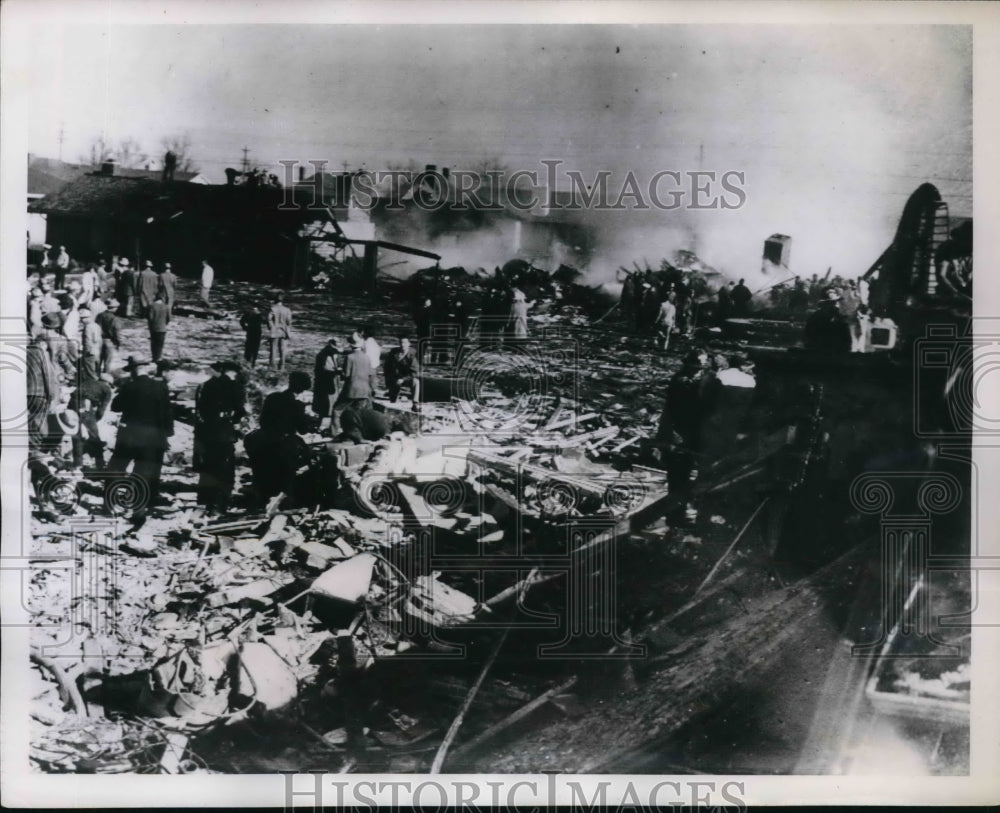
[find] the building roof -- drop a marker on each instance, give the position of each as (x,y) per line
(131,199)
(151,174)
(48,175)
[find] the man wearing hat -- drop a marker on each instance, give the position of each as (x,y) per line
(91,339)
(148,285)
(60,354)
(279,324)
(168,287)
(826,329)
(158,317)
(276,450)
(62,266)
(42,390)
(218,406)
(144,429)
(107,321)
(252,321)
(327,378)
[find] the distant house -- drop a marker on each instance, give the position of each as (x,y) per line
(246,232)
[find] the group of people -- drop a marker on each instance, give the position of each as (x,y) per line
(74,323)
(278,323)
(336,401)
(659,304)
(841,322)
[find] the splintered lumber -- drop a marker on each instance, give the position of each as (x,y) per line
(570,420)
(257,590)
(456,724)
(732,545)
(525,584)
(727,654)
(491,461)
(516,717)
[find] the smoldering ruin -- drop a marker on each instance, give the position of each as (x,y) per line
(374,486)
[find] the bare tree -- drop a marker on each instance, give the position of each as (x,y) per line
(129,153)
(99,152)
(180,146)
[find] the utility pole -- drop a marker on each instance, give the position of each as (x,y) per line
(62,137)
(344,164)
(246,163)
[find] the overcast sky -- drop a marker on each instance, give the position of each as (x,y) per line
(834,125)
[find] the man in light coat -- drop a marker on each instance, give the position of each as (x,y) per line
(279,330)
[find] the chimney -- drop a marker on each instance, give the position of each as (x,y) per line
(430,168)
(302,173)
(108,168)
(446,171)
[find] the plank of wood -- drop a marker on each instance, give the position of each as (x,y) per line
(572,419)
(442,751)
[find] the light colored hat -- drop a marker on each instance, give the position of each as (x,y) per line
(68,421)
(833,295)
(123,261)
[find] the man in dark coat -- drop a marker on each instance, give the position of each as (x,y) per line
(827,330)
(741,297)
(42,390)
(159,318)
(219,405)
(327,380)
(252,321)
(692,396)
(125,290)
(725,306)
(275,450)
(144,430)
(168,287)
(361,424)
(148,285)
(110,338)
(90,400)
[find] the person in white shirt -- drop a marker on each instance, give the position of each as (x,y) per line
(89,286)
(667,317)
(373,350)
(207,278)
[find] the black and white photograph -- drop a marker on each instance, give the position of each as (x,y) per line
(552,395)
